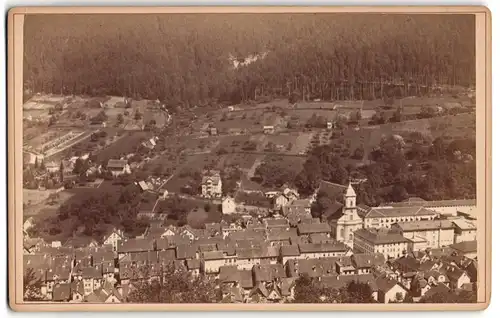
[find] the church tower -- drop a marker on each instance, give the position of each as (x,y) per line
(350,221)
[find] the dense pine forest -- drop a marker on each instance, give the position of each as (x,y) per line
(187,60)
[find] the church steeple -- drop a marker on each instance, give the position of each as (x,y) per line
(350,197)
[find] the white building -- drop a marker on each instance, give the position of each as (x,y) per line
(113,239)
(118,167)
(228,205)
(211,185)
(465,230)
(346,220)
(437,233)
(369,241)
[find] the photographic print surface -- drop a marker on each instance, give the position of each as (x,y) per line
(250,158)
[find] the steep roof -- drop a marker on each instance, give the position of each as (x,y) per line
(385,284)
(277,234)
(213,255)
(368,260)
(290,250)
(135,245)
(333,190)
(304,228)
(61,292)
(465,247)
(268,272)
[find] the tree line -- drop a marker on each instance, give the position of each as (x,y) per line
(188,59)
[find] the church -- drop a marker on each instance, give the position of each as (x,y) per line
(343,218)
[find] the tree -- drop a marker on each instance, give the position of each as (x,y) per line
(138,115)
(398,193)
(355,116)
(356,292)
(52,120)
(294,97)
(307,290)
(80,166)
(176,286)
(359,153)
(120,119)
(32,285)
(36,162)
(61,172)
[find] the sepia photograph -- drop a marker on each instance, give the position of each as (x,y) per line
(239,158)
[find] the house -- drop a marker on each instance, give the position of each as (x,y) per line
(193,266)
(278,236)
(322,250)
(437,233)
(370,240)
(465,230)
(52,167)
(457,276)
(280,201)
(228,205)
(364,263)
(247,257)
(91,278)
(28,223)
(329,125)
(211,262)
(211,185)
(113,239)
(289,252)
(389,290)
(305,229)
(77,291)
(296,214)
(268,273)
(276,223)
(419,286)
(230,274)
(130,246)
(150,143)
(61,292)
(268,129)
(118,167)
(465,248)
(213,131)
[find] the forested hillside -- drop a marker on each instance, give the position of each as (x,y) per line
(184,59)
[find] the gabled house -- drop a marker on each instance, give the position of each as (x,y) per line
(118,167)
(389,290)
(113,238)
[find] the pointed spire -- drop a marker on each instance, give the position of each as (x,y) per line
(350,190)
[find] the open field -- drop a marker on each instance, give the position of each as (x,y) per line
(128,143)
(34,197)
(36,203)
